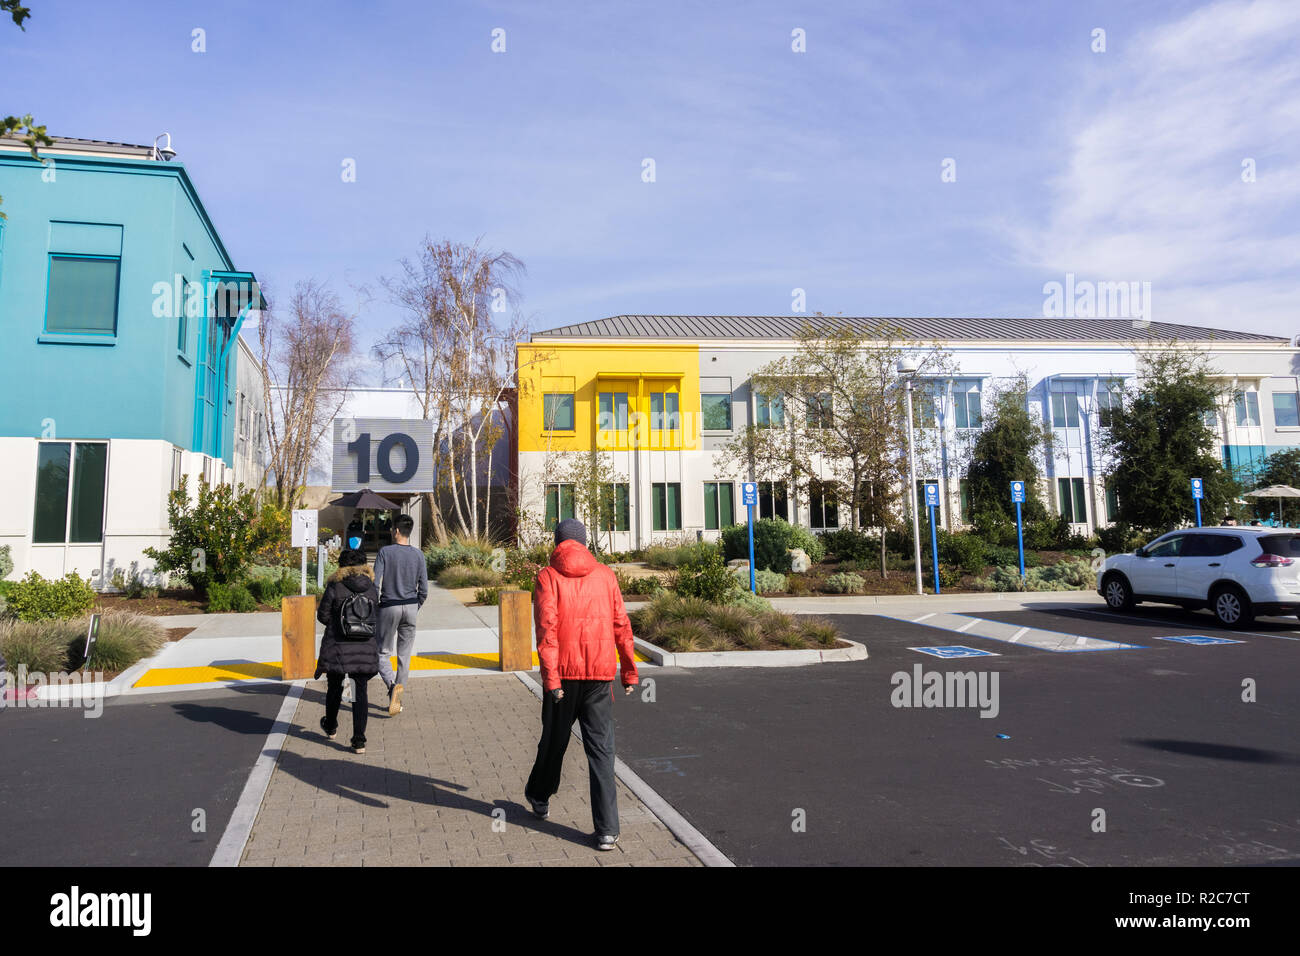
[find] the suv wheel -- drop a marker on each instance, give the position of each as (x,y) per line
(1115,589)
(1231,607)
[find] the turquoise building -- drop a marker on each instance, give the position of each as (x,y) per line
(122,368)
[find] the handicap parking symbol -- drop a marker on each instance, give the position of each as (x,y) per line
(1198,639)
(951,651)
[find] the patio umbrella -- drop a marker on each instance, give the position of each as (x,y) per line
(363,500)
(1275,491)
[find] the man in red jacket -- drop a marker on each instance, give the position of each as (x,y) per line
(582,635)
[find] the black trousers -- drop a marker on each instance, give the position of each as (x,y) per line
(590,703)
(360,706)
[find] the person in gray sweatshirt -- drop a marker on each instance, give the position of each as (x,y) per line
(403,580)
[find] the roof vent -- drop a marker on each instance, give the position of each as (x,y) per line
(165,153)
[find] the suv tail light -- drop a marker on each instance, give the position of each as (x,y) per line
(1271,561)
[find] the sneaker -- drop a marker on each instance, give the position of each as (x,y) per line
(358,746)
(541,808)
(606,842)
(324,729)
(395,701)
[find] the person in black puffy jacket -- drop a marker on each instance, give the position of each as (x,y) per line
(348,656)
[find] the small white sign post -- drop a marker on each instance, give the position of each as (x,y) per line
(306,524)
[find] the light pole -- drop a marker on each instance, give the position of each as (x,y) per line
(907,368)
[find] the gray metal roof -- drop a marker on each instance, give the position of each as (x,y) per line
(696,327)
(87,145)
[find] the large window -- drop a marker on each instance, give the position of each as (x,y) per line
(614,507)
(559,504)
(82,296)
(715,412)
(557,411)
(1247,409)
(967,412)
(821,410)
(1072,502)
(1108,403)
(664,413)
(1286,410)
(719,505)
(923,407)
(666,503)
(1065,410)
(823,506)
(769,411)
(772,500)
(1112,502)
(612,411)
(70,493)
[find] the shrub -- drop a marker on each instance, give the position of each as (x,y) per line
(36,599)
(674,556)
(275,544)
(41,646)
(750,636)
(645,584)
(123,639)
(747,601)
(133,584)
(270,585)
(773,539)
(230,598)
(684,636)
(1068,575)
(467,551)
(469,576)
(1119,538)
(6,562)
(488,596)
(213,539)
(949,577)
(966,551)
(849,545)
(845,583)
(818,631)
(797,586)
(706,578)
(767,582)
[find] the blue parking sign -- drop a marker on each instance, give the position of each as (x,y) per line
(749,493)
(1018,491)
(932,496)
(1198,488)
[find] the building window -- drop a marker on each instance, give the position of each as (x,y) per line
(715,412)
(70,478)
(614,515)
(772,500)
(1112,502)
(1065,410)
(923,407)
(82,295)
(559,504)
(769,411)
(823,506)
(967,411)
(719,505)
(664,413)
(821,408)
(557,411)
(666,499)
(611,412)
(963,492)
(176,468)
(1247,409)
(1286,410)
(1108,403)
(1072,502)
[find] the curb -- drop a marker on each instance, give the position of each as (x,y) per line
(791,658)
(678,825)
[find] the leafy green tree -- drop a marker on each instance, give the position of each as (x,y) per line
(31,134)
(212,540)
(1008,448)
(1158,441)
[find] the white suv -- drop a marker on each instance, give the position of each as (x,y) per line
(1235,572)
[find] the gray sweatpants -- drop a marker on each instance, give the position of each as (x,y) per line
(396,636)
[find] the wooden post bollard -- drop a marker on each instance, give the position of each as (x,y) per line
(298,637)
(515,631)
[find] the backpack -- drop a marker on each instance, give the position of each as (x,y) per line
(357,618)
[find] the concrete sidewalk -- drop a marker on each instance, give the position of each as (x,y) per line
(440,785)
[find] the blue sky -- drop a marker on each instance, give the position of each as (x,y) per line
(775,170)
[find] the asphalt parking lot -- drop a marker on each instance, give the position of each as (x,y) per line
(1155,735)
(122,789)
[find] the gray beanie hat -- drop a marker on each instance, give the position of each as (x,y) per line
(571,529)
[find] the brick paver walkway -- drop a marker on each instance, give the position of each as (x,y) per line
(439,785)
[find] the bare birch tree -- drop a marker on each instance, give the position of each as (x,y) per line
(306,364)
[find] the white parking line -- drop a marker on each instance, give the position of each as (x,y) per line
(1018,635)
(1110,615)
(918,620)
